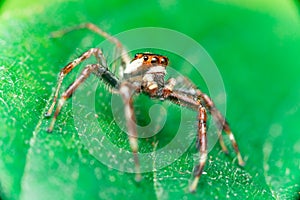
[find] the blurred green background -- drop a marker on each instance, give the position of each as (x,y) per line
(256,47)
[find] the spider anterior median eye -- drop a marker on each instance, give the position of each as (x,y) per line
(145,58)
(154,60)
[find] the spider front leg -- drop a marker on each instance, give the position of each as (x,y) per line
(125,59)
(126,91)
(84,74)
(98,70)
(69,67)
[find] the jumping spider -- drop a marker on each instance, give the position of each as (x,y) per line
(145,73)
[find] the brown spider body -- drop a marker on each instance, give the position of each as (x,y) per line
(145,73)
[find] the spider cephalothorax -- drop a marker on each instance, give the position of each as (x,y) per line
(145,73)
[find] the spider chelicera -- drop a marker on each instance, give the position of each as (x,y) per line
(145,73)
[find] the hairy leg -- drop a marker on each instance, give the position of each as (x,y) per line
(120,50)
(222,123)
(183,99)
(202,139)
(126,91)
(69,67)
(186,99)
(188,88)
(96,69)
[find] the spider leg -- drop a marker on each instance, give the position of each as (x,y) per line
(223,124)
(99,71)
(202,139)
(68,68)
(193,90)
(170,83)
(126,91)
(125,59)
(189,100)
(222,143)
(183,99)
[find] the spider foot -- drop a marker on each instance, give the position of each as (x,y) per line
(50,128)
(224,148)
(47,114)
(225,151)
(197,173)
(194,184)
(240,160)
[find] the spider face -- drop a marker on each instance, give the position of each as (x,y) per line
(150,59)
(144,61)
(147,71)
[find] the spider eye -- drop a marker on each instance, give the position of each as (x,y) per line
(136,55)
(145,58)
(164,61)
(154,60)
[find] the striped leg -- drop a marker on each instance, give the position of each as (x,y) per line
(126,92)
(222,123)
(202,139)
(120,50)
(218,118)
(68,68)
(192,91)
(185,99)
(98,70)
(181,98)
(234,144)
(84,75)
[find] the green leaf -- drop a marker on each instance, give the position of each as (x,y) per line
(255,46)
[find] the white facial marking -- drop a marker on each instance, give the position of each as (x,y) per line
(134,65)
(157,69)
